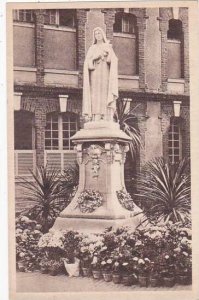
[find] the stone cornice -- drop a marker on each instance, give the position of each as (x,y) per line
(47,91)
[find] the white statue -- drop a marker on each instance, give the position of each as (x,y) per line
(100,88)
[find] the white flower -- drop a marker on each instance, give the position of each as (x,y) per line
(83,249)
(109,261)
(103,263)
(141,261)
(146,259)
(21,254)
(104,248)
(177,249)
(125,264)
(167,256)
(185,253)
(184,240)
(135,258)
(94,260)
(138,243)
(116,263)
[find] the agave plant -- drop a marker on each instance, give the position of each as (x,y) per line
(125,117)
(164,190)
(46,195)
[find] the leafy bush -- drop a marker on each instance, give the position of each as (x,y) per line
(164,190)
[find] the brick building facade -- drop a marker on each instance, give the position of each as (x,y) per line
(152,46)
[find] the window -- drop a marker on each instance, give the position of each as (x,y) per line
(175,50)
(125,37)
(59,129)
(174,141)
(125,23)
(24,15)
(175,30)
(62,17)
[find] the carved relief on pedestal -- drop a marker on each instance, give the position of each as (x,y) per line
(94,154)
(119,152)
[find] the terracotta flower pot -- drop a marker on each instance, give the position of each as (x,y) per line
(169,281)
(107,276)
(86,272)
(53,272)
(44,270)
(127,279)
(21,267)
(143,281)
(97,274)
(116,278)
(183,279)
(154,281)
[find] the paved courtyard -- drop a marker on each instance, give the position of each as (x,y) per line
(41,283)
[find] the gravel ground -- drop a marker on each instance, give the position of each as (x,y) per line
(37,282)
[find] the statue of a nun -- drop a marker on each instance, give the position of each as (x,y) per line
(100,88)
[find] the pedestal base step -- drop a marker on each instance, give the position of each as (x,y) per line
(93,225)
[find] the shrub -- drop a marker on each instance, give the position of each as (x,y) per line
(27,236)
(47,195)
(164,191)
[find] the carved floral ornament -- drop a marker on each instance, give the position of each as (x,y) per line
(114,153)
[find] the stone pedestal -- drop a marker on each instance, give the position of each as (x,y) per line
(101,151)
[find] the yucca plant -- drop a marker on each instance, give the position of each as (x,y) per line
(125,117)
(164,190)
(46,194)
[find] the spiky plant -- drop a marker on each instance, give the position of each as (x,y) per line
(125,117)
(164,190)
(46,195)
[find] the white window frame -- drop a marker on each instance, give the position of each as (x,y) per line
(16,15)
(60,134)
(172,140)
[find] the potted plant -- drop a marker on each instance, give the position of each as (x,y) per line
(71,257)
(44,265)
(85,263)
(183,268)
(106,266)
(55,267)
(168,275)
(143,269)
(154,275)
(129,276)
(72,266)
(116,272)
(21,265)
(96,267)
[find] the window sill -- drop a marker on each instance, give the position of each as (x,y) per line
(26,69)
(174,41)
(180,80)
(129,77)
(24,24)
(59,28)
(124,35)
(55,71)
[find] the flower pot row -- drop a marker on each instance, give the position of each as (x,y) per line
(141,280)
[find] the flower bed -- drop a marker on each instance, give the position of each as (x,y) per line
(157,255)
